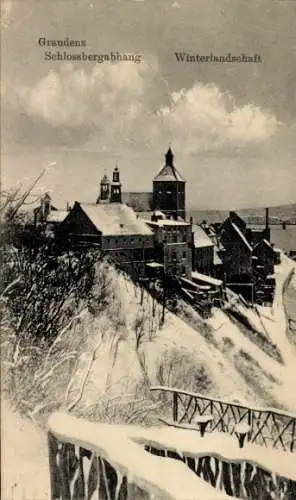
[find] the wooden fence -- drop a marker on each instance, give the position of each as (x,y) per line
(269,427)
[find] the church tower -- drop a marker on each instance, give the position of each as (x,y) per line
(115,194)
(169,189)
(104,190)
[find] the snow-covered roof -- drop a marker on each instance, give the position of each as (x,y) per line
(206,279)
(158,213)
(200,237)
(57,216)
(154,264)
(217,258)
(167,222)
(242,236)
(168,173)
(263,242)
(144,215)
(115,219)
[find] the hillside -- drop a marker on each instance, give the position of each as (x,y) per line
(107,360)
(121,349)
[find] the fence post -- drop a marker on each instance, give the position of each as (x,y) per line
(250,422)
(54,471)
(175,407)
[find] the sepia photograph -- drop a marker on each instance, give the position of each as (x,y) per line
(148,249)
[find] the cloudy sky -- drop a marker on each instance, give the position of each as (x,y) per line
(231,126)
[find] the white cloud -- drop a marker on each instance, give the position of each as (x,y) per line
(73,97)
(204,118)
(121,102)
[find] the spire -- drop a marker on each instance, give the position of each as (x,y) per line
(105,189)
(116,174)
(105,179)
(115,195)
(169,158)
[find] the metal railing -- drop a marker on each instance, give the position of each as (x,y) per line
(269,427)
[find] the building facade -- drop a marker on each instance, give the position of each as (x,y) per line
(172,245)
(237,251)
(264,257)
(114,228)
(169,190)
(46,215)
(202,251)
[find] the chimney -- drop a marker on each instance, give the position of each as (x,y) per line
(266,218)
(266,231)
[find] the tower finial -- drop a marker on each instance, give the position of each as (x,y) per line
(169,157)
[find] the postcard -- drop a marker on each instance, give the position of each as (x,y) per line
(148,248)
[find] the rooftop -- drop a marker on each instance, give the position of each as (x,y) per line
(115,219)
(168,173)
(57,215)
(241,235)
(167,222)
(200,237)
(264,242)
(206,279)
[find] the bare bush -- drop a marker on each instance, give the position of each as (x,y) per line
(178,369)
(128,408)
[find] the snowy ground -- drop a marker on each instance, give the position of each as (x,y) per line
(24,463)
(236,368)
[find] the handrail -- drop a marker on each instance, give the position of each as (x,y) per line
(90,460)
(268,426)
(118,466)
(223,401)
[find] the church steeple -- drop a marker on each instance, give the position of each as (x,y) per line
(169,189)
(169,158)
(115,195)
(104,189)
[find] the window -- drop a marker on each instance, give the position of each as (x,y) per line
(184,255)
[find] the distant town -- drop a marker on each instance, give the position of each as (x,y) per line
(149,236)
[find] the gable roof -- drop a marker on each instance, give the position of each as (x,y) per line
(200,237)
(261,243)
(168,173)
(114,219)
(233,218)
(241,236)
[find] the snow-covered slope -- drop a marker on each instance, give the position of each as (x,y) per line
(122,350)
(219,356)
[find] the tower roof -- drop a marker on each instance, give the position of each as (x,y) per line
(105,179)
(169,172)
